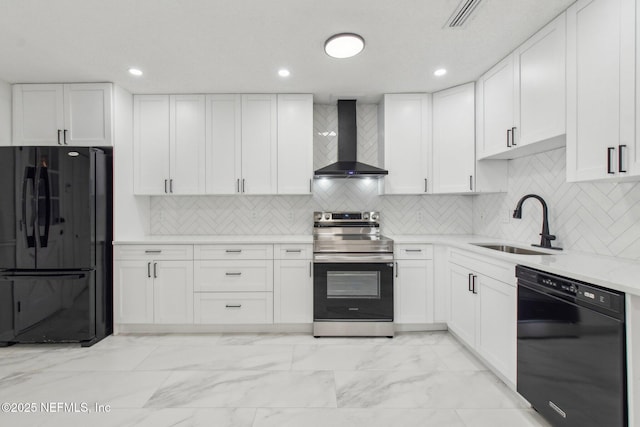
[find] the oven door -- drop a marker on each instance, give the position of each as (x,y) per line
(353,291)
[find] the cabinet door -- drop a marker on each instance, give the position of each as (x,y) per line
(413,291)
(187,144)
(497,104)
(38,114)
(454,139)
(173,292)
(133,292)
(496,336)
(463,304)
(88,114)
(542,83)
(223,147)
(151,144)
(293,291)
(600,86)
(407,143)
(259,144)
(295,144)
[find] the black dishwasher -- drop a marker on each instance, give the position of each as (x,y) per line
(571,350)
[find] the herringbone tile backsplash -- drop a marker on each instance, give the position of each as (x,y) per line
(247,215)
(601,218)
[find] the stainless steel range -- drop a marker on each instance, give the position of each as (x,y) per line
(353,275)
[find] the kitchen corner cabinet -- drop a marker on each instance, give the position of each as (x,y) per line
(454,140)
(413,284)
(405,121)
(521,100)
(483,309)
(293,284)
(601,90)
(77,114)
(295,143)
(169,144)
(151,287)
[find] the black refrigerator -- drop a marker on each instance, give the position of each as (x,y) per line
(56,231)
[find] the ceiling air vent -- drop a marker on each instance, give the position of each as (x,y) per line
(462,13)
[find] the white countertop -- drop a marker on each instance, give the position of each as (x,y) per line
(614,273)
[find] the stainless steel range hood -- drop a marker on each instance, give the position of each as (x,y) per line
(347,166)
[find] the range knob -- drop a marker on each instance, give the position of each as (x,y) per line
(327,216)
(375,216)
(366,216)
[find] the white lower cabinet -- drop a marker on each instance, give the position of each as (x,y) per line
(293,284)
(483,309)
(413,284)
(153,291)
(233,284)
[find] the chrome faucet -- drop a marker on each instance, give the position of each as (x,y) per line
(545,236)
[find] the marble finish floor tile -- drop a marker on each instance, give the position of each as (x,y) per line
(118,389)
(172,417)
(400,389)
(366,357)
(369,417)
(126,340)
(248,389)
(220,357)
(501,417)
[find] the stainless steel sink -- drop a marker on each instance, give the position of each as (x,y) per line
(510,249)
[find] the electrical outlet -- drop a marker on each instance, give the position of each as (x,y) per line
(290,216)
(253,215)
(420,216)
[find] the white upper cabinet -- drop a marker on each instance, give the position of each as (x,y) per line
(406,131)
(497,106)
(295,143)
(454,140)
(259,144)
(224,149)
(169,144)
(78,114)
(521,100)
(601,90)
(542,85)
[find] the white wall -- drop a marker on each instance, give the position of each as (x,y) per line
(5,113)
(131,213)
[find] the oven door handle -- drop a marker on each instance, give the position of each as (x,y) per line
(353,258)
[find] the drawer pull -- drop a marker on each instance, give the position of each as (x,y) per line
(233,251)
(413,250)
(233,274)
(154,251)
(294,251)
(233,305)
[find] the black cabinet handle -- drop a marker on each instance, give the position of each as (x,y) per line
(65,137)
(238,185)
(396,269)
(155,270)
(513,136)
(243,185)
(233,274)
(473,283)
(469,282)
(233,305)
(609,151)
(233,251)
(620,147)
(149,270)
(59,136)
(470,182)
(508,138)
(165,186)
(293,251)
(425,185)
(171,186)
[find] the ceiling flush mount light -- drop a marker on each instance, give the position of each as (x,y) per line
(440,72)
(344,45)
(283,72)
(135,72)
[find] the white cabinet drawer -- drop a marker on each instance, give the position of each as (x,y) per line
(155,252)
(233,307)
(413,251)
(293,251)
(234,252)
(233,276)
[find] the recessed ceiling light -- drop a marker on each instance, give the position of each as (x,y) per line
(283,72)
(344,45)
(135,71)
(440,72)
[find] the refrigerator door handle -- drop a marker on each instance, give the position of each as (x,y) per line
(29,175)
(44,238)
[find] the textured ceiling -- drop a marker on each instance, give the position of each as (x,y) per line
(204,46)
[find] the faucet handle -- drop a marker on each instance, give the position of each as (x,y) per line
(548,236)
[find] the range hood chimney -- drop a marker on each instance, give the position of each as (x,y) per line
(347,166)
